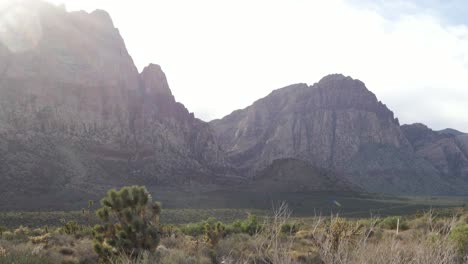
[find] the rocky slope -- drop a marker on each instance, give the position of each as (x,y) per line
(447,150)
(76,118)
(76,115)
(293,175)
(336,124)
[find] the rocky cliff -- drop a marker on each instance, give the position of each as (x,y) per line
(447,150)
(75,113)
(336,124)
(76,118)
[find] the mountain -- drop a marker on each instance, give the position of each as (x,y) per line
(450,131)
(293,175)
(337,124)
(447,150)
(76,116)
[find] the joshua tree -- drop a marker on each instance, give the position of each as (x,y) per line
(214,232)
(130,222)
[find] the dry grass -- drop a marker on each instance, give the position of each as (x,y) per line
(430,239)
(337,241)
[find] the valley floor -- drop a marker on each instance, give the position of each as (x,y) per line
(342,229)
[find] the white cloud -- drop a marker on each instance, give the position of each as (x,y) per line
(223,55)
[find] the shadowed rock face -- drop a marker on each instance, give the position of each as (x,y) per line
(326,124)
(336,124)
(447,150)
(76,114)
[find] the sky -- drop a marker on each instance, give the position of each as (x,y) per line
(221,55)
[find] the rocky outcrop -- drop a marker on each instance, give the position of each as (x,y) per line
(447,150)
(76,115)
(326,123)
(335,124)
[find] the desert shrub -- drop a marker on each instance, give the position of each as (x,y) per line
(197,229)
(248,226)
(37,232)
(66,251)
(341,230)
(8,235)
(44,239)
(419,223)
(272,246)
(71,228)
(459,235)
(84,251)
(251,225)
(391,223)
(290,228)
(169,230)
(214,232)
(178,256)
(236,246)
(131,223)
(173,242)
(21,233)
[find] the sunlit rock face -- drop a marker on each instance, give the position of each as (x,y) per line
(337,124)
(75,113)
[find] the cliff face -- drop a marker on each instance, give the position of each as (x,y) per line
(76,118)
(336,124)
(447,150)
(326,123)
(75,113)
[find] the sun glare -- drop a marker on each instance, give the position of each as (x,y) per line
(20,29)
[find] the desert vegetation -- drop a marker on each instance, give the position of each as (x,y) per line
(129,230)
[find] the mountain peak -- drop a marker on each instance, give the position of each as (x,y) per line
(154,80)
(451,131)
(334,76)
(103,16)
(341,81)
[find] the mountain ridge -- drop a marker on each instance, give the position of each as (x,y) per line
(352,133)
(77,117)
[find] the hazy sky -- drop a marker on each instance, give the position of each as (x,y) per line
(223,55)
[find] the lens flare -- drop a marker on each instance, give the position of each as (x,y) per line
(20,27)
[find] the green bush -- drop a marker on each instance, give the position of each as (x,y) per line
(197,229)
(290,228)
(2,229)
(71,228)
(211,229)
(8,235)
(130,223)
(459,235)
(249,226)
(169,230)
(214,232)
(391,223)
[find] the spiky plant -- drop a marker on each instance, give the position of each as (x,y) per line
(214,232)
(130,223)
